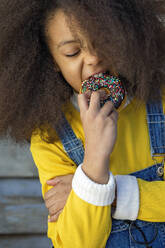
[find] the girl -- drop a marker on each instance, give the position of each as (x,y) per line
(47,48)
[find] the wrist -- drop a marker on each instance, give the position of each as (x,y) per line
(96,160)
(91,192)
(97,170)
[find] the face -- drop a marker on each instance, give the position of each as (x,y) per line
(76,59)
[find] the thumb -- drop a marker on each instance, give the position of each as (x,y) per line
(53,181)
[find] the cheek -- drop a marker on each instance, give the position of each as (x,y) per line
(73,80)
(72,75)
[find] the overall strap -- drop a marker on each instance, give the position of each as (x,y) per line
(71,144)
(156,126)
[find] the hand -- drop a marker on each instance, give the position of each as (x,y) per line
(100,128)
(55,198)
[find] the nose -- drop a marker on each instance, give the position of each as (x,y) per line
(91,58)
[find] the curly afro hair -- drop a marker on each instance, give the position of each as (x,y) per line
(128,35)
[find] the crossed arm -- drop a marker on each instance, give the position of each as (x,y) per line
(151,206)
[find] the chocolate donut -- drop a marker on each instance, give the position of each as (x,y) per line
(112,86)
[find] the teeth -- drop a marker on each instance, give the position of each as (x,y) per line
(98,74)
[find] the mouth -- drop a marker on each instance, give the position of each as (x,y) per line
(97,74)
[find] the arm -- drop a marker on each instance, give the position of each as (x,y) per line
(93,191)
(79,223)
(139,199)
(152,203)
(55,198)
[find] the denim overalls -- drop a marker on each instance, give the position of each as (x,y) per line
(125,233)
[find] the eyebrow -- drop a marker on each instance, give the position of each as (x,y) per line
(63,43)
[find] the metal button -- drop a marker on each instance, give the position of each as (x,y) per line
(160,171)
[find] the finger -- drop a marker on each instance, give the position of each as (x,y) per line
(50,193)
(56,198)
(107,109)
(58,179)
(58,204)
(53,181)
(54,217)
(50,202)
(95,101)
(83,102)
(114,115)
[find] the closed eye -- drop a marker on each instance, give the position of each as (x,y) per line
(72,55)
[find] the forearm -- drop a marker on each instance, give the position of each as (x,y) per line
(139,199)
(152,204)
(97,169)
(88,205)
(82,225)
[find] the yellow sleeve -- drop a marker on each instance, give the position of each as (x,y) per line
(80,224)
(152,203)
(152,195)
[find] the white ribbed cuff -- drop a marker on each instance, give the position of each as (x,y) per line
(91,192)
(127,204)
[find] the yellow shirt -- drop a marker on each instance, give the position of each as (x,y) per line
(79,223)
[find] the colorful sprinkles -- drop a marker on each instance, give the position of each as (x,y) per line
(112,85)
